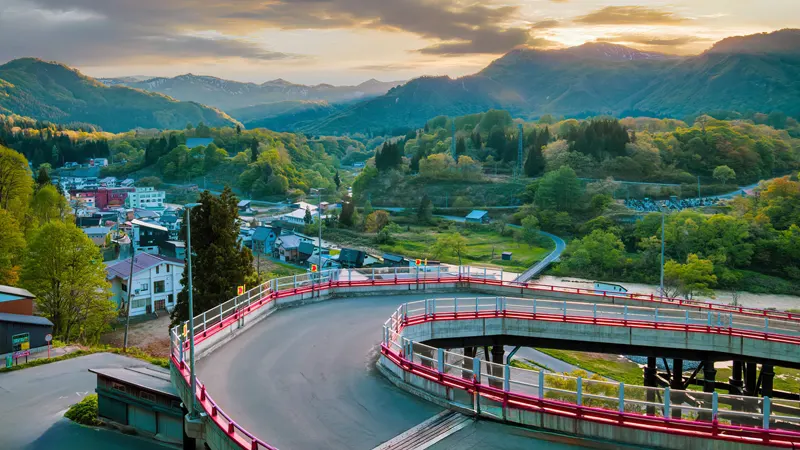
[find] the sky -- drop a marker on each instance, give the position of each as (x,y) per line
(350,41)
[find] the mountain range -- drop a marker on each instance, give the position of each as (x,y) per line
(57,93)
(750,73)
(230,95)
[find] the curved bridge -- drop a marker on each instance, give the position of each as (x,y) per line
(216,327)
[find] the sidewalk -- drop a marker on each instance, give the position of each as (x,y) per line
(54,352)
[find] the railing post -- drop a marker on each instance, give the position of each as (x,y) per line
(204,321)
(594,311)
(433,307)
(666,403)
(476,370)
(730,320)
(294,281)
(625,313)
(765,411)
(579,397)
(220,315)
(534,306)
(714,406)
(440,360)
(621,397)
(501,277)
(541,384)
(506,378)
(349,277)
(655,315)
(476,306)
(766,324)
(687,316)
(709,318)
(455,307)
(438,273)
(405,312)
(565,308)
(426,307)
(373,275)
(484,275)
(180,343)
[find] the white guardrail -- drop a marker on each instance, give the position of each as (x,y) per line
(593,391)
(583,391)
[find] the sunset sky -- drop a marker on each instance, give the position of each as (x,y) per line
(349,41)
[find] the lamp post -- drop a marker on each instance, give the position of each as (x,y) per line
(319,227)
(663,215)
(189,206)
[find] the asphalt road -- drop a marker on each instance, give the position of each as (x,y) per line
(33,402)
(306,378)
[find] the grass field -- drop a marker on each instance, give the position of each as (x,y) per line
(608,366)
(484,247)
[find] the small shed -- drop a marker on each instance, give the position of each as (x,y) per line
(601,287)
(351,258)
(477,216)
(244,206)
(15,300)
(506,256)
(21,335)
(391,260)
(142,398)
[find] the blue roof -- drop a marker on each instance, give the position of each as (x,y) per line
(97,230)
(477,214)
(196,142)
(21,318)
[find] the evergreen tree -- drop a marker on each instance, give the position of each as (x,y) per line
(219,262)
(337,180)
(476,140)
(425,210)
(461,146)
(307,219)
(43,178)
(534,163)
(346,216)
(254,150)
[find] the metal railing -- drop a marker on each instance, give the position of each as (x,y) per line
(264,295)
(522,387)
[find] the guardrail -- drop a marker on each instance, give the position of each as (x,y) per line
(264,296)
(720,416)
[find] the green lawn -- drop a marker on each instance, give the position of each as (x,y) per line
(484,247)
(608,366)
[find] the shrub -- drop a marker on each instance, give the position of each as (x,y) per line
(84,412)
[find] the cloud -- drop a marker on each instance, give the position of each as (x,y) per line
(656,41)
(545,24)
(630,15)
(152,30)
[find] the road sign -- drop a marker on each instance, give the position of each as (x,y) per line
(48,337)
(314,268)
(25,346)
(418,262)
(240,290)
(185,330)
(426,262)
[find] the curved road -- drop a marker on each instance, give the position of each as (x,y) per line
(305,378)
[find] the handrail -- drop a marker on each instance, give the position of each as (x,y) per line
(220,317)
(419,359)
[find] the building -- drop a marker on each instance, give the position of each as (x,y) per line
(142,398)
(297,217)
(305,206)
(111,197)
(145,197)
(127,182)
(84,199)
(98,162)
(264,238)
(16,301)
(245,206)
(601,287)
(97,234)
(287,247)
(22,335)
(173,249)
(391,260)
(108,182)
(351,258)
(172,223)
(326,263)
(156,282)
(148,236)
(477,216)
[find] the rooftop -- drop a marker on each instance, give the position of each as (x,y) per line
(142,223)
(143,261)
(151,378)
(290,241)
(22,318)
(477,214)
(10,290)
(97,230)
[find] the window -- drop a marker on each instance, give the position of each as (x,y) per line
(138,303)
(170,298)
(144,287)
(118,386)
(147,396)
(157,268)
(167,268)
(124,287)
(158,287)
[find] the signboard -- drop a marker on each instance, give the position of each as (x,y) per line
(240,290)
(19,339)
(185,330)
(418,262)
(25,346)
(48,337)
(21,354)
(314,268)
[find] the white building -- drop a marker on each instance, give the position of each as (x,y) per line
(145,197)
(156,283)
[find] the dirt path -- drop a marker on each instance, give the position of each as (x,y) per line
(151,335)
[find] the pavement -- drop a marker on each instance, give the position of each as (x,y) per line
(33,402)
(306,378)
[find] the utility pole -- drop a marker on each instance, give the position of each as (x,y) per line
(193,410)
(130,289)
(519,152)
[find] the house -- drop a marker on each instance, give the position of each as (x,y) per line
(84,199)
(108,182)
(477,216)
(391,260)
(506,256)
(244,206)
(156,282)
(601,287)
(91,221)
(297,217)
(98,162)
(147,236)
(128,182)
(325,263)
(97,234)
(145,197)
(111,197)
(171,222)
(287,247)
(173,249)
(144,214)
(264,238)
(305,206)
(23,334)
(141,398)
(351,258)
(16,301)
(309,252)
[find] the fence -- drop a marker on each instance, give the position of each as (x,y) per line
(265,295)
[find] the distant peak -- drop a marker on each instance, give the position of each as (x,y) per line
(781,41)
(611,52)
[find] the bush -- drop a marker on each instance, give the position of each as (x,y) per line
(84,412)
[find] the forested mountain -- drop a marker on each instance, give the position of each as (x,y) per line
(228,95)
(287,115)
(54,92)
(751,73)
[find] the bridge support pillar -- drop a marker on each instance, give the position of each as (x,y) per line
(498,351)
(709,385)
(751,379)
(650,373)
(735,379)
(676,384)
(767,379)
(466,364)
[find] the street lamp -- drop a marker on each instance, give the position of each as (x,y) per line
(189,206)
(319,226)
(663,215)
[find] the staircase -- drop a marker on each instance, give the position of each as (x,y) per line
(429,432)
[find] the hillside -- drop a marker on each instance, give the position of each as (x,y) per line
(54,92)
(286,115)
(751,73)
(230,95)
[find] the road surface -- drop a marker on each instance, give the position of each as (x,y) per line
(306,378)
(541,265)
(33,402)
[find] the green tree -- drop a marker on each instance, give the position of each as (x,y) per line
(254,150)
(219,262)
(337,180)
(534,163)
(694,278)
(16,184)
(348,210)
(149,182)
(12,246)
(723,174)
(601,254)
(43,177)
(65,270)
(461,146)
(307,218)
(559,190)
(376,221)
(530,230)
(425,210)
(451,244)
(48,204)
